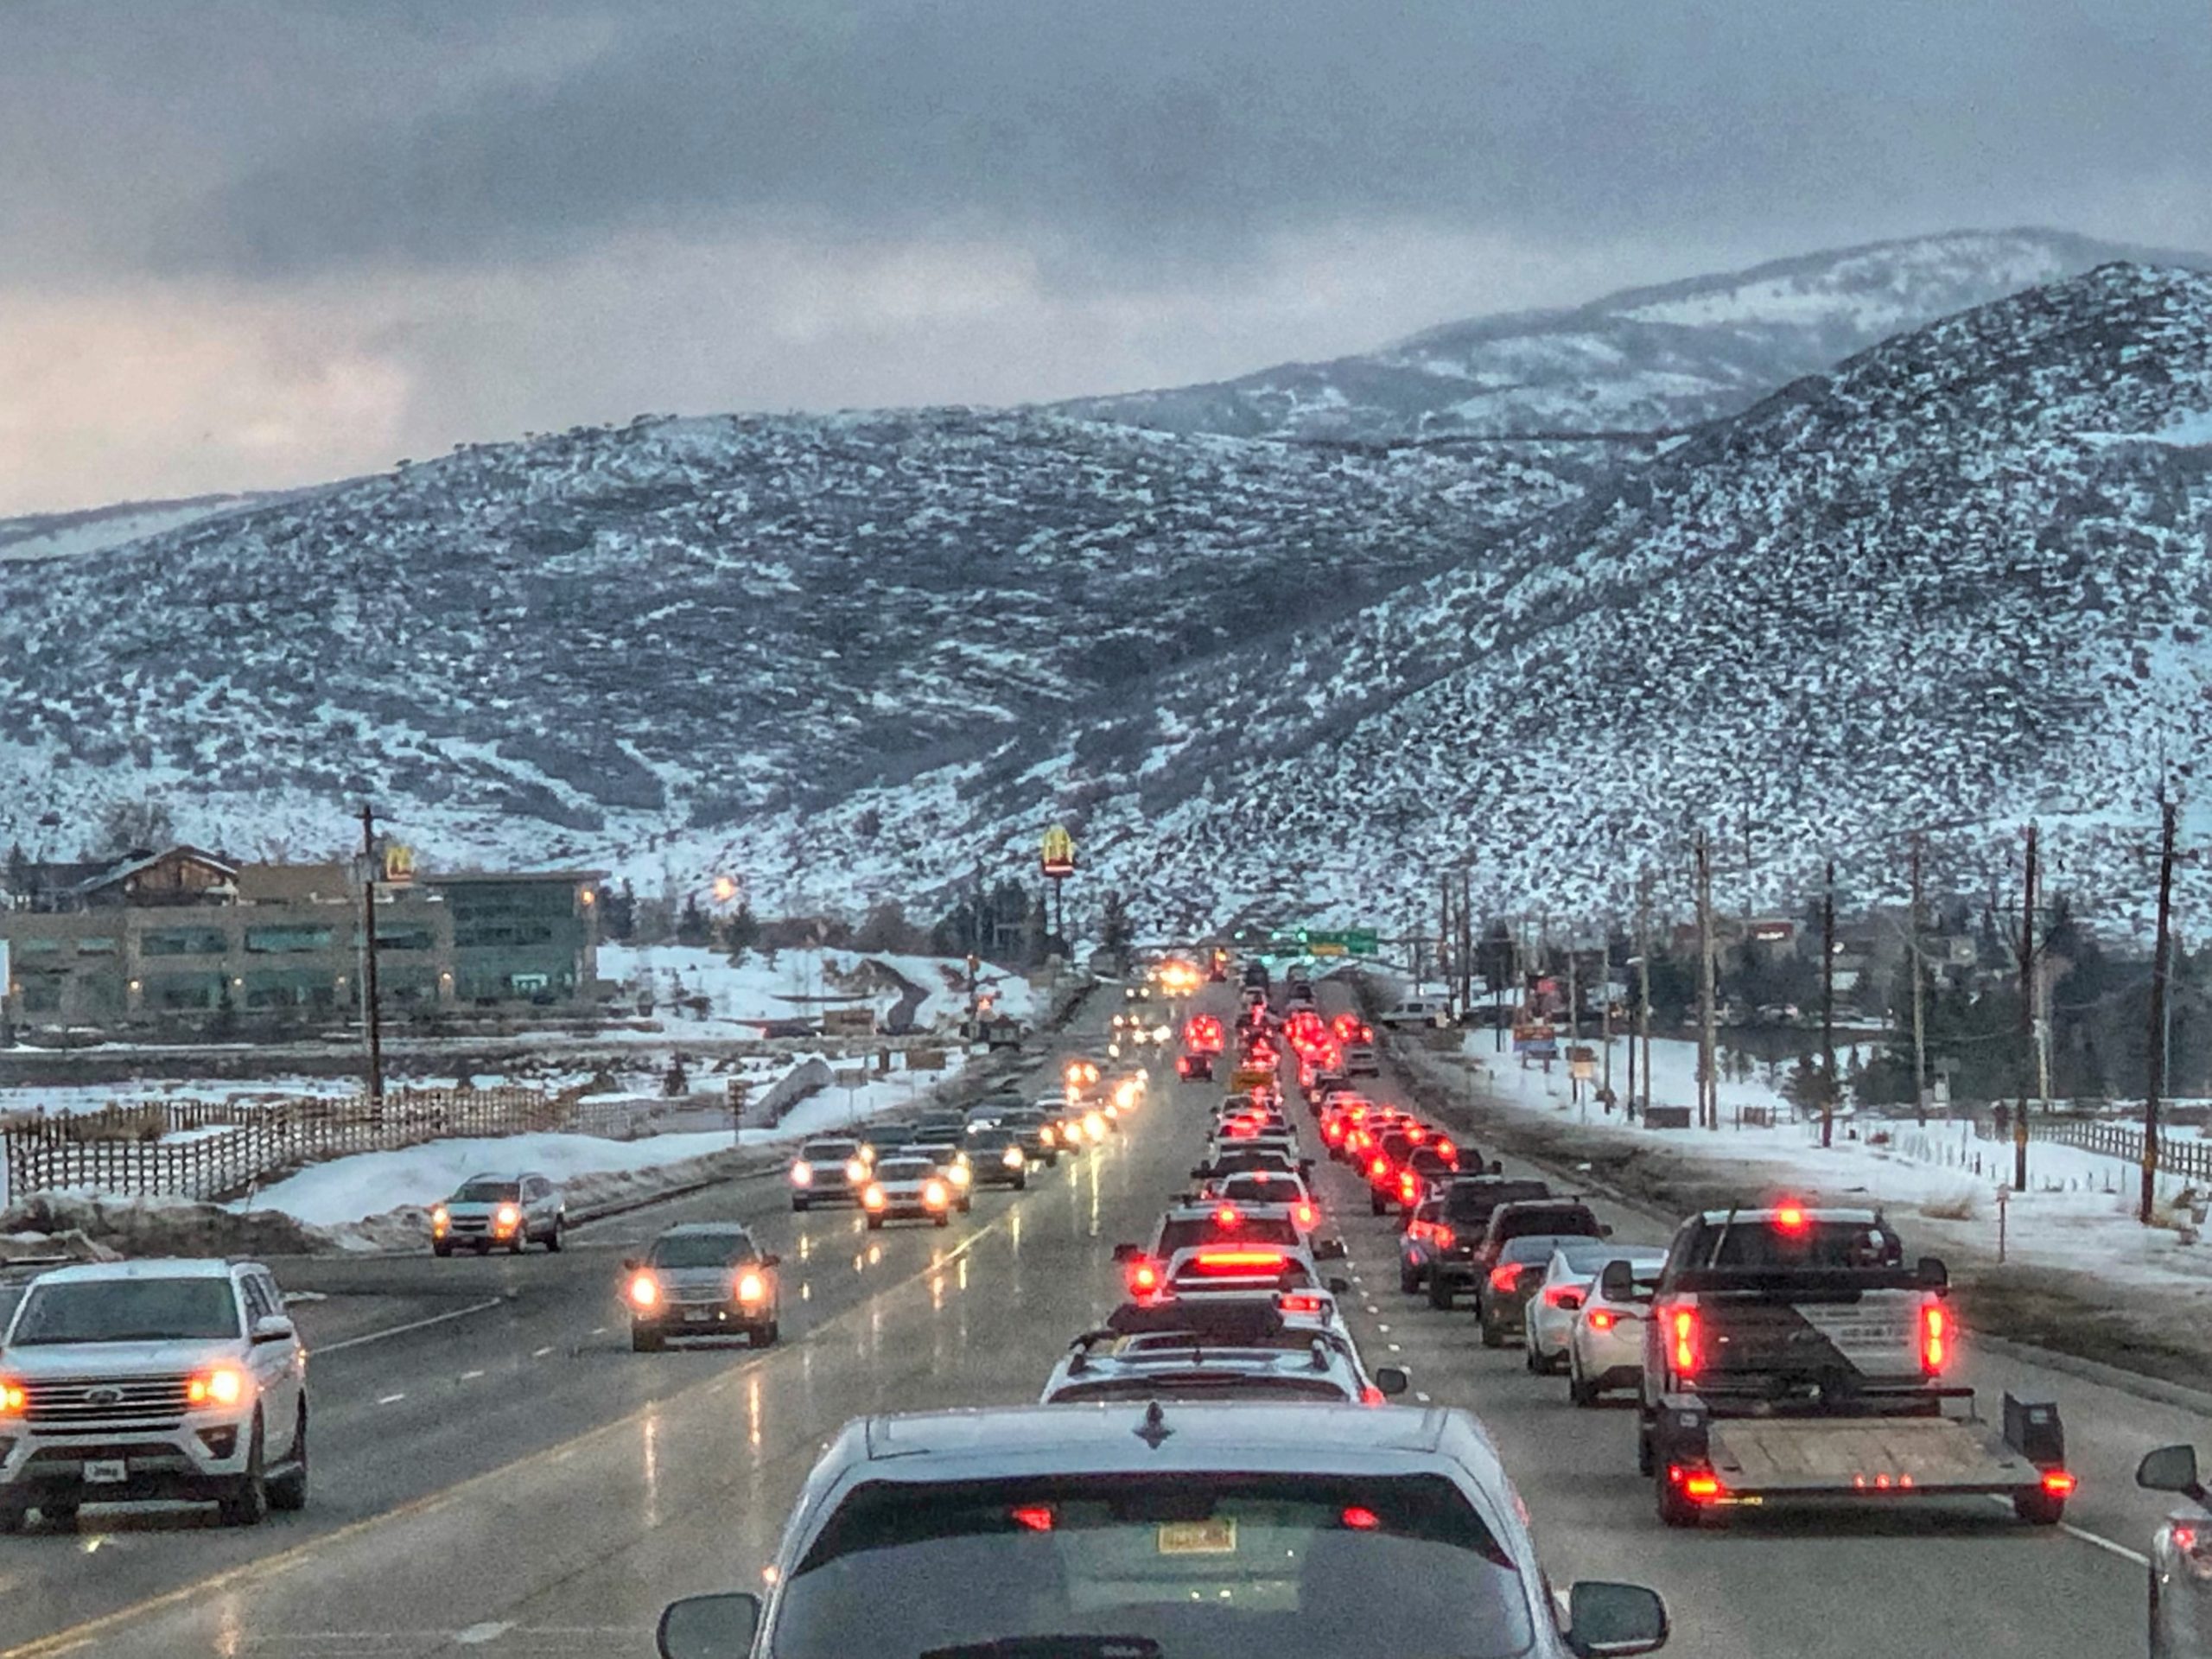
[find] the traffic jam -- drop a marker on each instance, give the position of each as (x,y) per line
(1219,1466)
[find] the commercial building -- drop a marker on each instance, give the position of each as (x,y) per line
(183,943)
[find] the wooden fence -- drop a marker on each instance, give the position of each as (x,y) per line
(2189,1156)
(216,1152)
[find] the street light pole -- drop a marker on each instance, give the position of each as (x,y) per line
(371,1014)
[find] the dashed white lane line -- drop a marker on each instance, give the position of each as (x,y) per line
(470,1376)
(1396,1348)
(390,1399)
(541,1352)
(1385,1329)
(599,1329)
(1373,1309)
(1420,1395)
(415,1325)
(477,1634)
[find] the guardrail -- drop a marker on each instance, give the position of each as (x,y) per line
(223,1158)
(2189,1157)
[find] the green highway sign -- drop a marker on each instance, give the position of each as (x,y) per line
(1328,942)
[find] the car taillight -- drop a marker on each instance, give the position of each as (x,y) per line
(1304,1216)
(1935,1337)
(1226,1218)
(1602,1318)
(1566,1296)
(1299,1302)
(1449,1152)
(645,1290)
(1031,1517)
(1144,1278)
(1408,1186)
(1415,1133)
(1378,1168)
(1682,1327)
(1219,1263)
(1505,1275)
(2058,1482)
(1699,1486)
(1360,1519)
(1446,1238)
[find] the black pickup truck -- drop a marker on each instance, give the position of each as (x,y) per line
(1790,1353)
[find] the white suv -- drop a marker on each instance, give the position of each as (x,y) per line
(127,1381)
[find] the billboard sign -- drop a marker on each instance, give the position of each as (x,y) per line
(1056,858)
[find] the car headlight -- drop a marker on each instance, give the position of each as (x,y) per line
(934,1195)
(645,1290)
(1094,1125)
(958,1173)
(507,1217)
(440,1219)
(1012,1158)
(802,1173)
(1046,1134)
(220,1385)
(872,1198)
(12,1397)
(751,1287)
(856,1171)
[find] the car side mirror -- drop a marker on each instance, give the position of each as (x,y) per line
(1391,1380)
(1126,1253)
(274,1327)
(1328,1249)
(1339,1286)
(2171,1469)
(1933,1274)
(772,1260)
(630,1264)
(1609,1621)
(708,1627)
(1198,1171)
(1497,1167)
(1617,1283)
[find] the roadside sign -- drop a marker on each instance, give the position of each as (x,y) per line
(1056,857)
(926,1060)
(849,1076)
(1536,1039)
(1328,941)
(398,865)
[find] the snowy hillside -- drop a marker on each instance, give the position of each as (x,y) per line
(1644,360)
(68,534)
(1965,576)
(588,644)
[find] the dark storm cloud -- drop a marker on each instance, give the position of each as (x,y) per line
(1164,133)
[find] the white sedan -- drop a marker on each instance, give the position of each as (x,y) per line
(1569,1278)
(1606,1347)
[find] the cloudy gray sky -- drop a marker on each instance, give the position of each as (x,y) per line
(255,244)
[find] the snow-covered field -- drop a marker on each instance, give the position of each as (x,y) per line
(795,984)
(2077,1213)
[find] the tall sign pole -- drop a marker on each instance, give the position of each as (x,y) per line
(2159,953)
(371,1012)
(1708,1089)
(2027,1015)
(1055,859)
(1919,1015)
(1828,1009)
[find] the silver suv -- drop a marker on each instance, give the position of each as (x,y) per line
(506,1210)
(130,1381)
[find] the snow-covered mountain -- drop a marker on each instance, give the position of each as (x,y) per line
(604,638)
(66,535)
(1642,361)
(1965,576)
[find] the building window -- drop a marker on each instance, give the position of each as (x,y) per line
(96,947)
(184,942)
(279,941)
(41,995)
(407,938)
(38,947)
(183,992)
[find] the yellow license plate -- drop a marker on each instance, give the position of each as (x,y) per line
(1217,1537)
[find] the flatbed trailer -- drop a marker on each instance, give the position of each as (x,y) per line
(1709,1462)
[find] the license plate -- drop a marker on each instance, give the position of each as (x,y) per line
(698,1315)
(107,1471)
(1216,1537)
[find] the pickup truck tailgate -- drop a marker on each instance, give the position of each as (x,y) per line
(1931,1455)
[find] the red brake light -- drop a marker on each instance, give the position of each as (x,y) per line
(1226,1217)
(1305,1215)
(1361,1520)
(1378,1168)
(1299,1302)
(1144,1277)
(2058,1482)
(1035,1516)
(1408,1185)
(1683,1325)
(2184,1538)
(1790,1218)
(1567,1296)
(1935,1337)
(1601,1320)
(1701,1488)
(1505,1275)
(1446,1238)
(1450,1152)
(1220,1262)
(1415,1133)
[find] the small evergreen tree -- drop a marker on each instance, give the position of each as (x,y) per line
(692,926)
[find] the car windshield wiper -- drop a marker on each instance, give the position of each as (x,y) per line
(1053,1647)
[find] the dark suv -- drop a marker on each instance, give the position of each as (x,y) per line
(1463,1215)
(1510,1259)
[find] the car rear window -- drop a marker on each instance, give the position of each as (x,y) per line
(1532,1247)
(1756,1244)
(1465,1203)
(1566,1219)
(1227,1567)
(1181,1235)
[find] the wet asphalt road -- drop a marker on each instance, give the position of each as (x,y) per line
(512,1481)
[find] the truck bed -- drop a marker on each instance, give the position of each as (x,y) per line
(1933,1456)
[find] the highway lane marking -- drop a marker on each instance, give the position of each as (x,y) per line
(470,1376)
(82,1635)
(413,1324)
(2095,1541)
(391,1399)
(542,1352)
(476,1635)
(1420,1397)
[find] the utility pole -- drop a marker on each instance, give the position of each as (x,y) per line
(1447,969)
(371,1014)
(1605,1012)
(1643,989)
(2159,952)
(1573,1023)
(1708,1093)
(1919,1015)
(1827,1009)
(2027,1013)
(1466,943)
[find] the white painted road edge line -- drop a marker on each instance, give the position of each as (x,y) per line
(2094,1539)
(402,1330)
